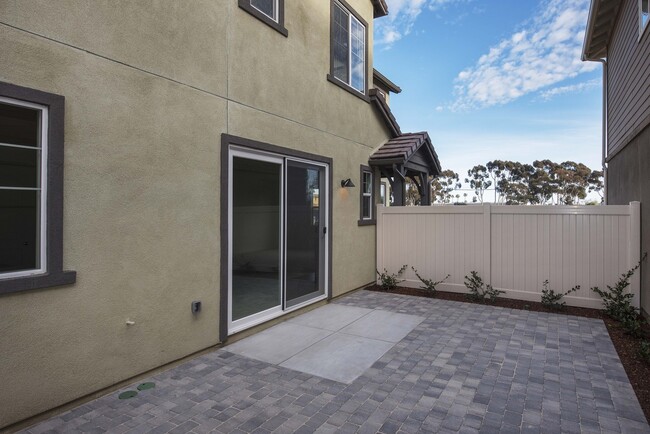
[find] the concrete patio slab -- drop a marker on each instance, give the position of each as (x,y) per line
(278,343)
(331,317)
(465,368)
(339,357)
(383,325)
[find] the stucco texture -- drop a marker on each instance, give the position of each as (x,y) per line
(140,228)
(150,87)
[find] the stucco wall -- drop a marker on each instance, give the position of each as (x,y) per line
(148,96)
(628,180)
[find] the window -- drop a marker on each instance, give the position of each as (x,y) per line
(31,181)
(367,196)
(644,15)
(348,49)
(271,12)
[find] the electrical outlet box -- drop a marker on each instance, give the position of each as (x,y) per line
(196,307)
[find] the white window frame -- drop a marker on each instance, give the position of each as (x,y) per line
(275,10)
(351,17)
(643,27)
(43,126)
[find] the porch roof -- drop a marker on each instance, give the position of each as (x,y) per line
(412,151)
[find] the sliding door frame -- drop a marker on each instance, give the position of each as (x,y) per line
(234,143)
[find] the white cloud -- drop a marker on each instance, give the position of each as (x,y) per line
(579,87)
(402,15)
(545,51)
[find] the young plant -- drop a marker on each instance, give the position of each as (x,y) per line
(390,280)
(552,299)
(478,290)
(644,351)
(430,284)
(618,302)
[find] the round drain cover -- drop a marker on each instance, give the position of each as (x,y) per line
(128,394)
(145,386)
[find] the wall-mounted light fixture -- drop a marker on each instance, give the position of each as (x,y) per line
(347,183)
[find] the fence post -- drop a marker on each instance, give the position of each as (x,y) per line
(379,262)
(634,251)
(487,243)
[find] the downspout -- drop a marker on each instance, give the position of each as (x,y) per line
(604,123)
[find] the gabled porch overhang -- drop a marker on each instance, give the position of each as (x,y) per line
(407,156)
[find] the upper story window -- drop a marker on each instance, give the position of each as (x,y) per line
(644,15)
(267,7)
(348,48)
(270,12)
(31,190)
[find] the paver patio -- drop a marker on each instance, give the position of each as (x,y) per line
(463,368)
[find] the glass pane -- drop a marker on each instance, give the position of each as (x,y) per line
(365,212)
(645,6)
(19,125)
(256,266)
(267,7)
(340,43)
(304,246)
(19,230)
(19,167)
(358,55)
(367,183)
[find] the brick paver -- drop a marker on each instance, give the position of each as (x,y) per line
(466,368)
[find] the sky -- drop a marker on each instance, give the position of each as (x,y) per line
(499,79)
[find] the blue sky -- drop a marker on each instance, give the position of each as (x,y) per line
(493,80)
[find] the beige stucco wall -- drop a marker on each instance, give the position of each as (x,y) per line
(150,87)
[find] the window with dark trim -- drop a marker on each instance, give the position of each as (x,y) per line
(348,49)
(644,16)
(366,196)
(31,190)
(270,12)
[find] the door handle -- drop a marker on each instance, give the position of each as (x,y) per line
(325,230)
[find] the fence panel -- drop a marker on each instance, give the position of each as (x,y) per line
(514,248)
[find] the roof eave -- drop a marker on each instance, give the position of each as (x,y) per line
(599,26)
(383,80)
(380,8)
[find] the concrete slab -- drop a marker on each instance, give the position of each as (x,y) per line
(278,343)
(383,325)
(332,317)
(339,357)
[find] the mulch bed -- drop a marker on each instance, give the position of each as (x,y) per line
(627,346)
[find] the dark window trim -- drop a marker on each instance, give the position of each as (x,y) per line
(276,25)
(373,207)
(54,275)
(330,77)
(226,141)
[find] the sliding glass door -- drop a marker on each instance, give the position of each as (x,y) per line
(305,232)
(277,235)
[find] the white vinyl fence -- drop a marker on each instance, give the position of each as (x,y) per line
(514,248)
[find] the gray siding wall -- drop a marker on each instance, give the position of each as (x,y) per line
(629,79)
(629,179)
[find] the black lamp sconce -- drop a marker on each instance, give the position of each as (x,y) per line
(347,183)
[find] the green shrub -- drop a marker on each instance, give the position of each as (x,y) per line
(618,302)
(390,280)
(478,290)
(644,351)
(552,299)
(430,284)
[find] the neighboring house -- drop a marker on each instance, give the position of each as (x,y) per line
(156,154)
(618,35)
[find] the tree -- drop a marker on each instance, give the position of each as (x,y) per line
(495,170)
(443,185)
(596,184)
(479,180)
